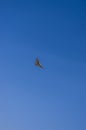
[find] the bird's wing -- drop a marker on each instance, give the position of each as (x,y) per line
(40,65)
(37,61)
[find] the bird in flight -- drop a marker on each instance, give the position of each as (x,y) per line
(37,63)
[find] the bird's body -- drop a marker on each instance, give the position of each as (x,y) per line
(37,63)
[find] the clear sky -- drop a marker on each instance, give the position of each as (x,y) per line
(53,98)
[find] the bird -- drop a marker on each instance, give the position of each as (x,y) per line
(37,63)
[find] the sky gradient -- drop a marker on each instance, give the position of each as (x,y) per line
(53,98)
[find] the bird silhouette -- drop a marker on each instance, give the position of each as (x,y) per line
(37,63)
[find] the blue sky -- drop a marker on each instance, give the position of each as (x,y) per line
(49,99)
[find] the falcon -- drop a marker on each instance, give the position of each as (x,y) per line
(37,63)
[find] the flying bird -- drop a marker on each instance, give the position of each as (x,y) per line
(37,63)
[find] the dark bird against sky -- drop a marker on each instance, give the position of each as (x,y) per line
(37,63)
